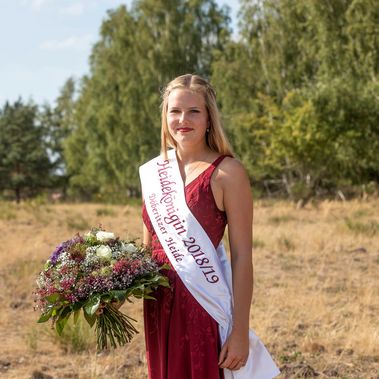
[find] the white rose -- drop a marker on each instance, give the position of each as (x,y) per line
(130,248)
(104,236)
(104,252)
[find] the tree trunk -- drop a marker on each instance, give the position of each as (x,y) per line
(18,195)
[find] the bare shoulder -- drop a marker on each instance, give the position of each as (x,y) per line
(230,178)
(231,172)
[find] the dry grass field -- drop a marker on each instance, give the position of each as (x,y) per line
(316,296)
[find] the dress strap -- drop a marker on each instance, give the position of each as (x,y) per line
(209,171)
(219,160)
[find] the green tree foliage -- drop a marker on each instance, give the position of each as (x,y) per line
(58,121)
(299,93)
(117,113)
(24,163)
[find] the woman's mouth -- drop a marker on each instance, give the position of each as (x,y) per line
(184,130)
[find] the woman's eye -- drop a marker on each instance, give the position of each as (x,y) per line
(174,111)
(195,111)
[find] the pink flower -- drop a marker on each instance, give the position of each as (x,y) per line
(66,284)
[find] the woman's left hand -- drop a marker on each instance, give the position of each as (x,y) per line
(235,351)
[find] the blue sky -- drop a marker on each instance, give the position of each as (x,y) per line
(44,42)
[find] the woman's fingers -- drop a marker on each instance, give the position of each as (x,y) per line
(223,353)
(99,310)
(230,362)
(233,364)
(115,303)
(239,365)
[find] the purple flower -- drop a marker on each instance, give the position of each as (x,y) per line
(57,252)
(64,246)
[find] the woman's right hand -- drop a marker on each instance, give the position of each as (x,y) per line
(99,310)
(114,303)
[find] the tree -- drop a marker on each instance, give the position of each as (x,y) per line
(299,93)
(24,163)
(58,121)
(140,49)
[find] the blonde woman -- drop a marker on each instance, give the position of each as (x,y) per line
(199,327)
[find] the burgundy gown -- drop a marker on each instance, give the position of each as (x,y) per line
(182,339)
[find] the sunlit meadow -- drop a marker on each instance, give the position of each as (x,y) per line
(316,294)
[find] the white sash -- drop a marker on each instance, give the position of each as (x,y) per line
(205,271)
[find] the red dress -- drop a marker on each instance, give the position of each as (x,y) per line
(182,339)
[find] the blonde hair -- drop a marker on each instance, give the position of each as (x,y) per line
(215,138)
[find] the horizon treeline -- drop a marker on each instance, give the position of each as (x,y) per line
(297,88)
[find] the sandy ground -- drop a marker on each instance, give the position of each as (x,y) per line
(316,295)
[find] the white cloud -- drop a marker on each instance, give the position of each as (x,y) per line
(73,42)
(75,9)
(38,4)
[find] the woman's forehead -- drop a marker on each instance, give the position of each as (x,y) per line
(181,97)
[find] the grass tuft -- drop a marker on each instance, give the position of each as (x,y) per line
(7,211)
(285,243)
(76,337)
(258,243)
(281,219)
(369,228)
(78,223)
(105,212)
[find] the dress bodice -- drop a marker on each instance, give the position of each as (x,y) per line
(201,202)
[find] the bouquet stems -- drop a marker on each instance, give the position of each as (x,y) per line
(114,327)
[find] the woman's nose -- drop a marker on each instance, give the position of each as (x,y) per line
(182,117)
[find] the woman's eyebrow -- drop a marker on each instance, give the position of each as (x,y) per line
(189,108)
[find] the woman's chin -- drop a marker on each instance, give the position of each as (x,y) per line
(187,140)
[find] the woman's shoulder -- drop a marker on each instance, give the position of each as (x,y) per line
(231,166)
(231,171)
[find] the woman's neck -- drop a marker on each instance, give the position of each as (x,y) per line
(194,153)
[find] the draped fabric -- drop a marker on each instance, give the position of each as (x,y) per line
(182,339)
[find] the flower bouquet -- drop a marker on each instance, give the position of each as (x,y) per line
(92,272)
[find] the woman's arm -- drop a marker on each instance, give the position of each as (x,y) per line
(146,239)
(238,204)
(146,236)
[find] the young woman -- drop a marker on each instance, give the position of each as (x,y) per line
(199,327)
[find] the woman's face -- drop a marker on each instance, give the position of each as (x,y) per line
(187,117)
